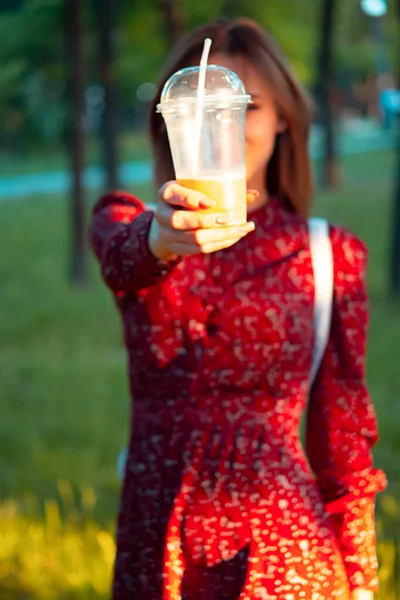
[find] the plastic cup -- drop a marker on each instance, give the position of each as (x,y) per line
(209,155)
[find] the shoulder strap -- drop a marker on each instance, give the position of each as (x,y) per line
(322,263)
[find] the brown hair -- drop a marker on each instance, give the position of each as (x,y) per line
(289,171)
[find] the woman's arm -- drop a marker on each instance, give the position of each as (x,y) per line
(137,247)
(119,232)
(341,422)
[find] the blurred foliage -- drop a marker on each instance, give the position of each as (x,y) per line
(64,553)
(55,551)
(32,78)
(32,53)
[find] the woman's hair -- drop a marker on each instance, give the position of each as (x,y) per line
(289,172)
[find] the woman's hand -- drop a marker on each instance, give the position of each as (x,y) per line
(362,595)
(181,227)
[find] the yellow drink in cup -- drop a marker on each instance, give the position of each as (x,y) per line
(228,191)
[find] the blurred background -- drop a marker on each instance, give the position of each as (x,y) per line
(76,80)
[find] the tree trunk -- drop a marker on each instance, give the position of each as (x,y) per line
(394,265)
(74,32)
(330,170)
(106,24)
(172,19)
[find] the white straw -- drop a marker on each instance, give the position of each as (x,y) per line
(200,101)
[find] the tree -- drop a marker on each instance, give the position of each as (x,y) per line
(172,18)
(106,18)
(32,76)
(76,87)
(330,172)
(291,23)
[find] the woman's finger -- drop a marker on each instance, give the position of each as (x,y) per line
(177,195)
(212,236)
(185,220)
(214,247)
(182,249)
(200,237)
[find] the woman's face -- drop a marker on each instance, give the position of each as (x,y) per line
(262,120)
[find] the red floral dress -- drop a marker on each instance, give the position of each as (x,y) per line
(220,501)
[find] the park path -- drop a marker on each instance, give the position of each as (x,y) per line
(361,136)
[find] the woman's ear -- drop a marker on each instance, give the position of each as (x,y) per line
(282,125)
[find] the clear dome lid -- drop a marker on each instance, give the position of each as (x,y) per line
(222,86)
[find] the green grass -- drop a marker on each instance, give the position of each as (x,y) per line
(65,404)
(64,393)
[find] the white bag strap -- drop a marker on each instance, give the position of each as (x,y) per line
(322,263)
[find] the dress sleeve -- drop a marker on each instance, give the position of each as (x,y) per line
(118,234)
(341,421)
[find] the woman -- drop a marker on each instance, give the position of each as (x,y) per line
(219,500)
